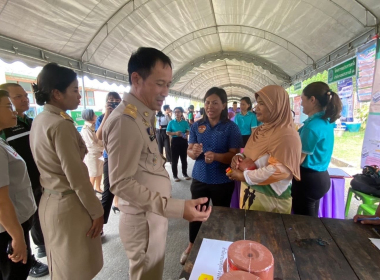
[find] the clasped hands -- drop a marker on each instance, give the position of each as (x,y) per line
(238,166)
(209,156)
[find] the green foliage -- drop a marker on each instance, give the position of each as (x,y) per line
(362,114)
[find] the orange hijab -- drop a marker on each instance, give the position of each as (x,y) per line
(277,137)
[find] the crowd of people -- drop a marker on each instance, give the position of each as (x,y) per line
(53,168)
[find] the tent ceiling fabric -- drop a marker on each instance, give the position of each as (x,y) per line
(288,35)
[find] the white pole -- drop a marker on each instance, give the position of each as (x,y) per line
(83,92)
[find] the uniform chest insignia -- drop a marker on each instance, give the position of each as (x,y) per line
(66,116)
(154,160)
(150,131)
(201,128)
(146,122)
(131,111)
(146,114)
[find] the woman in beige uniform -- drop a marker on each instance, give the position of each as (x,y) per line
(71,215)
(95,149)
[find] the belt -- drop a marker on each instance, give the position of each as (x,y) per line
(59,193)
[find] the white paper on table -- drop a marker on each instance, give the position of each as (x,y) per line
(210,259)
(376,242)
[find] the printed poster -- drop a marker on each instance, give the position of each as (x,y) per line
(366,57)
(371,143)
(345,92)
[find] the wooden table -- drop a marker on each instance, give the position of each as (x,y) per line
(303,247)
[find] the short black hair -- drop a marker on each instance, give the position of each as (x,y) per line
(221,93)
(248,101)
(179,108)
(88,115)
(52,77)
(143,61)
(3,93)
(235,102)
(6,86)
(166,107)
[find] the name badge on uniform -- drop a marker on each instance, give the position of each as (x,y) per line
(150,131)
(201,128)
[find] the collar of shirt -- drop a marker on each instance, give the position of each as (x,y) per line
(316,115)
(23,119)
(207,122)
(90,125)
(52,109)
(142,109)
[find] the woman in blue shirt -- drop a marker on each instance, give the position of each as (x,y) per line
(246,119)
(179,130)
(323,106)
(214,140)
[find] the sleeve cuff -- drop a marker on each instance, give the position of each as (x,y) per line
(174,208)
(247,179)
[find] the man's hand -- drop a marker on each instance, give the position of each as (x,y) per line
(19,250)
(236,175)
(195,212)
(179,133)
(96,228)
(197,149)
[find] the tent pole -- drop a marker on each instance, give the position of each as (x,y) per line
(83,92)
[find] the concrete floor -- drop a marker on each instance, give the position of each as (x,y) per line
(115,261)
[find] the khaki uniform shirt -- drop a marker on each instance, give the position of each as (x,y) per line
(58,150)
(136,168)
(93,144)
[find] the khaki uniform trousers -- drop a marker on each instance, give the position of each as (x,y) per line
(144,239)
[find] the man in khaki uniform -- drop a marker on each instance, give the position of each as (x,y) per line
(137,173)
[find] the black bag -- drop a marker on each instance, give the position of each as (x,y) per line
(368,182)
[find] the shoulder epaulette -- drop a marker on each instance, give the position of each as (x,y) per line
(131,111)
(66,116)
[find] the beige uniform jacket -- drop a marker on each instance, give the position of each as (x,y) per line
(136,168)
(93,144)
(69,203)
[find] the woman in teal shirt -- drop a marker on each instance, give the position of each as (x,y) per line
(179,130)
(323,106)
(246,119)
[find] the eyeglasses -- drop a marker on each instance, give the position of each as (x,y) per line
(10,107)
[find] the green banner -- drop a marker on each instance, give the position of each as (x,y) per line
(77,117)
(341,71)
(298,86)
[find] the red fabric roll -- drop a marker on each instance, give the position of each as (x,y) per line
(252,257)
(239,275)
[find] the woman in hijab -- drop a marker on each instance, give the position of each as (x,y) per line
(272,155)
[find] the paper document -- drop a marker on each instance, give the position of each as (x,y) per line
(210,259)
(376,242)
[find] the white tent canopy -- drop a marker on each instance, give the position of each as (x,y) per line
(241,45)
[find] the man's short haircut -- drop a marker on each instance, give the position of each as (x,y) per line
(6,86)
(166,107)
(235,102)
(143,61)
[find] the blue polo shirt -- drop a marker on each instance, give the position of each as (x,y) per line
(97,124)
(175,126)
(317,137)
(217,139)
(246,122)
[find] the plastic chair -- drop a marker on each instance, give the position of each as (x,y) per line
(366,198)
(367,209)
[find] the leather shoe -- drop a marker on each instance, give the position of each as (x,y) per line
(38,269)
(183,258)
